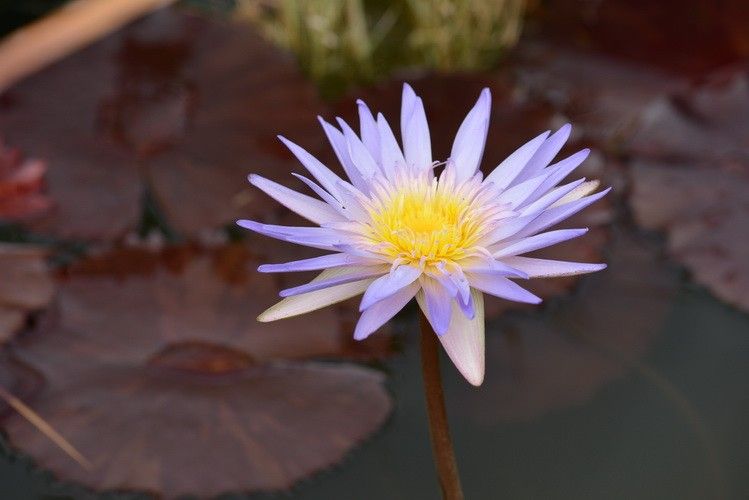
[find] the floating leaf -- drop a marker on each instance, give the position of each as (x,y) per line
(154,365)
(601,96)
(245,91)
(184,104)
(154,427)
(690,179)
(705,125)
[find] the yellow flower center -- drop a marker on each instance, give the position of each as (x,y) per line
(423,223)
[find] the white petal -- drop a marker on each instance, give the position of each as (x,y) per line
(311,209)
(359,154)
(557,214)
(550,198)
(417,145)
(501,287)
(326,177)
(391,155)
(545,153)
(557,172)
(544,268)
(340,147)
(583,189)
(300,304)
(381,312)
(464,339)
(508,170)
(370,135)
(319,191)
(468,147)
(518,194)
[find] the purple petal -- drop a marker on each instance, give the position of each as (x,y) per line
(551,197)
(391,154)
(518,194)
(544,268)
(557,214)
(323,174)
(557,172)
(359,154)
(319,191)
(381,312)
(537,242)
(490,265)
(314,264)
(301,304)
(350,275)
(315,237)
(508,170)
(415,131)
(467,306)
(370,135)
(311,209)
(545,153)
(468,147)
(501,287)
(439,305)
(389,284)
(340,147)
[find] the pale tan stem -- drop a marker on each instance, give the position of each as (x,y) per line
(46,429)
(64,31)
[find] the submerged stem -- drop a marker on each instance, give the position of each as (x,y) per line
(439,431)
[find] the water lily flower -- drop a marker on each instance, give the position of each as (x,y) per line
(403,225)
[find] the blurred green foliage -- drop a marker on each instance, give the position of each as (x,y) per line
(451,35)
(340,42)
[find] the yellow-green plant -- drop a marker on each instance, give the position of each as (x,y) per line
(454,35)
(331,38)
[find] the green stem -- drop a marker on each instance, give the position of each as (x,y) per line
(439,430)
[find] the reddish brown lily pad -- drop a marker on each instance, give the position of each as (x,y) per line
(536,364)
(176,427)
(147,301)
(601,96)
(690,179)
(25,286)
(154,365)
(244,92)
(705,213)
(707,124)
(54,114)
(188,104)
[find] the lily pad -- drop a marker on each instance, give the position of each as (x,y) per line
(690,178)
(201,420)
(178,102)
(154,365)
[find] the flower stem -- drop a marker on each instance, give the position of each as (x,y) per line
(439,431)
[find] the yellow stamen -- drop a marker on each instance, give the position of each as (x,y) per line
(423,223)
